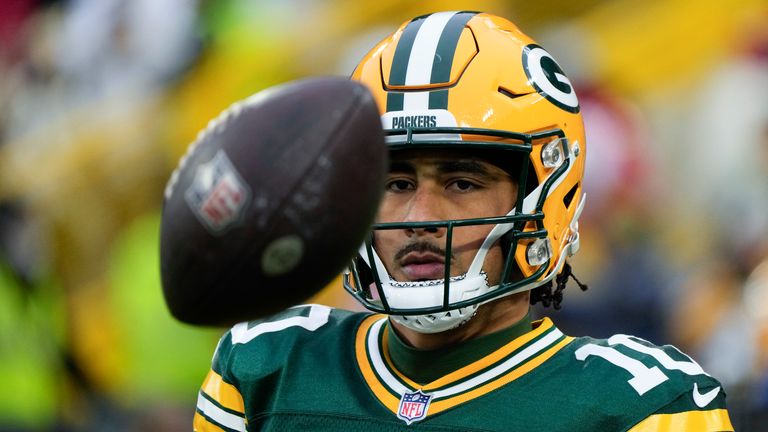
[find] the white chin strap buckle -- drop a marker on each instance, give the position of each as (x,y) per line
(437,322)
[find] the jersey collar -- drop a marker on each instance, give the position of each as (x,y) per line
(498,368)
(423,366)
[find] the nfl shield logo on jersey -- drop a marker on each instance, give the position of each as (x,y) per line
(413,406)
(218,195)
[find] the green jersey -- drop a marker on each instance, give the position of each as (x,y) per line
(321,369)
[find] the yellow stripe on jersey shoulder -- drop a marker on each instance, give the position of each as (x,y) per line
(715,420)
(201,424)
(225,394)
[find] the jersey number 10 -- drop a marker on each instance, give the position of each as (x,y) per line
(644,378)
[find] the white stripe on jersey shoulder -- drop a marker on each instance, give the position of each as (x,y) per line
(419,70)
(218,415)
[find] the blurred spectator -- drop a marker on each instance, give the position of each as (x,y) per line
(755,303)
(709,320)
(108,46)
(32,357)
(720,305)
(723,166)
(81,156)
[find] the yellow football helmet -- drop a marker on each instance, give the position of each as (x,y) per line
(473,81)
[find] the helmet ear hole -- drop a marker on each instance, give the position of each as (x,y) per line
(365,275)
(568,198)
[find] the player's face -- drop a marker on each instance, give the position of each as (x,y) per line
(432,186)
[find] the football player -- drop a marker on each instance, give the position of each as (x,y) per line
(478,219)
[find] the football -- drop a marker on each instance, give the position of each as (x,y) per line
(271,201)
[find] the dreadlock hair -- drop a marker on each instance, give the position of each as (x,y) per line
(547,296)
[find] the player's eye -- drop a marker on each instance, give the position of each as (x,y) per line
(462,185)
(399,185)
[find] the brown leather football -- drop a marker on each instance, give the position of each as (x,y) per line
(271,201)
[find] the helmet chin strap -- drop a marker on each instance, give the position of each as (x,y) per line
(438,322)
(421,294)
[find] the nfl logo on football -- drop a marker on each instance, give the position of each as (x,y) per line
(218,194)
(413,406)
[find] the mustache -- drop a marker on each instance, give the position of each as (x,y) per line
(420,247)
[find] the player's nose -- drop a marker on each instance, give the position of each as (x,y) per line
(425,206)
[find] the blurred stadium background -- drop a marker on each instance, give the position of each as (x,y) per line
(99,98)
